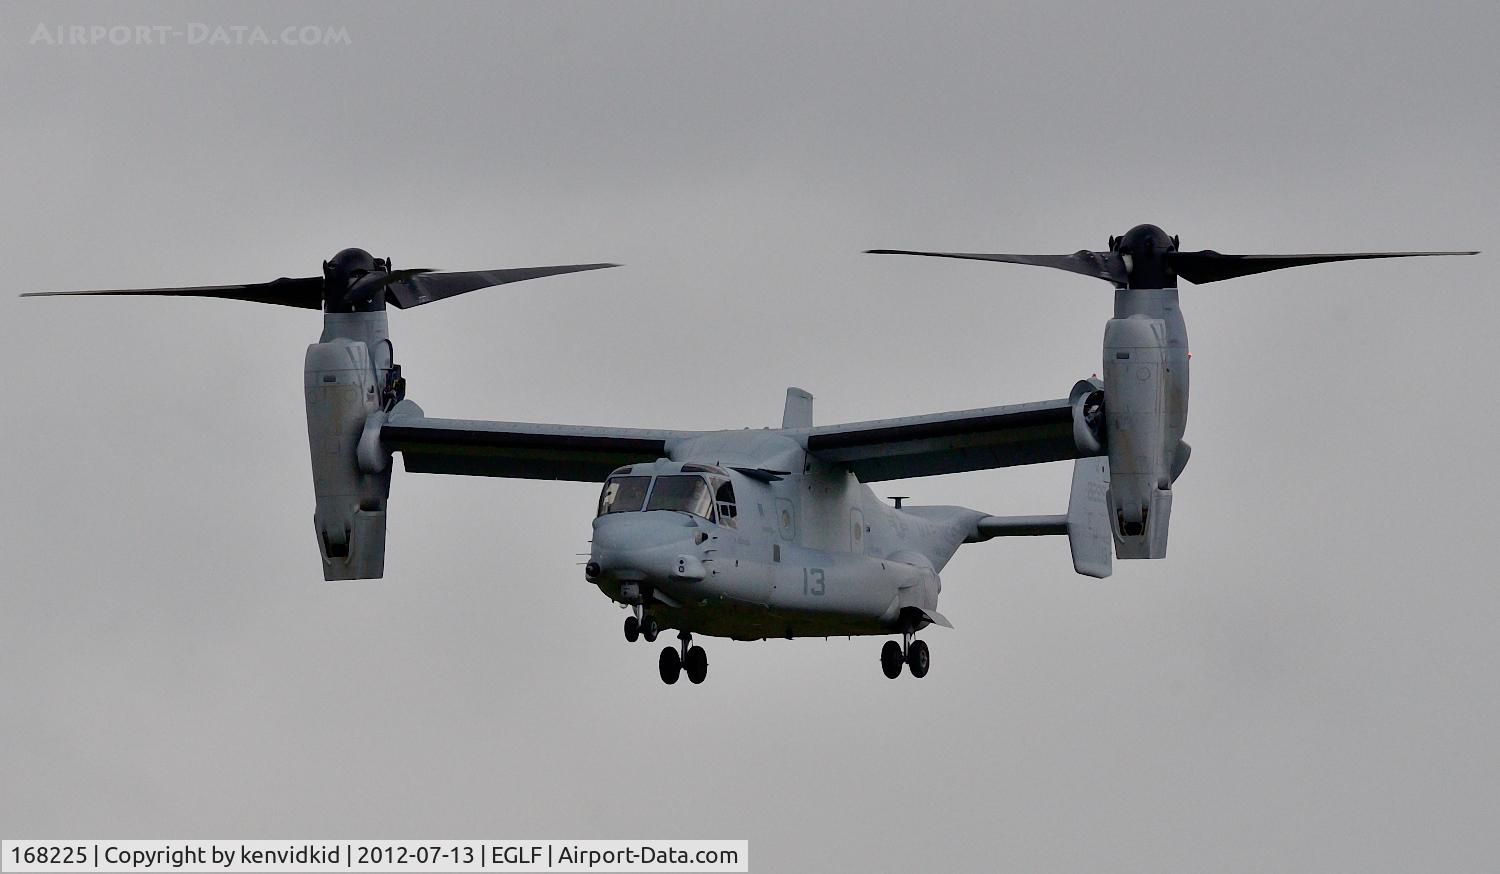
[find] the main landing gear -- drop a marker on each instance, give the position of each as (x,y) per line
(692,659)
(912,653)
(673,662)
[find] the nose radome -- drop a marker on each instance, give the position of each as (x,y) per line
(641,546)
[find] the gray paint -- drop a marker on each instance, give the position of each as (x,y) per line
(834,560)
(1308,682)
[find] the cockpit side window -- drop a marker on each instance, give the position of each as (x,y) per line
(623,494)
(724,497)
(689,494)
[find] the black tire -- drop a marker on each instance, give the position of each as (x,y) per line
(650,629)
(918,658)
(670,665)
(632,628)
(696,664)
(890,659)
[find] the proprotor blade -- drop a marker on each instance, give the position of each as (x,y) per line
(1100,265)
(306,293)
(1210,266)
(419,287)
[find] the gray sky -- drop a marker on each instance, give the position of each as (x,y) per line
(1310,682)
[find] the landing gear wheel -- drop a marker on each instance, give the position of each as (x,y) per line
(670,665)
(890,659)
(918,658)
(696,664)
(649,629)
(632,628)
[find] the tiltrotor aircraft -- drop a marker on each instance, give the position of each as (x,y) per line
(753,534)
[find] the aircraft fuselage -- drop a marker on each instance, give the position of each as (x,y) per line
(799,549)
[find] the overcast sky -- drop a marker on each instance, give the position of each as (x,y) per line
(1309,682)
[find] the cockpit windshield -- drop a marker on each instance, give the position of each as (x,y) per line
(624,494)
(687,493)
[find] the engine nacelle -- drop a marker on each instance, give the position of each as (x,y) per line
(344,391)
(1145,378)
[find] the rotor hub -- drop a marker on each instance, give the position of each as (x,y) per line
(1145,250)
(347,286)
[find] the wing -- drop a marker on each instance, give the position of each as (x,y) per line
(950,442)
(517,449)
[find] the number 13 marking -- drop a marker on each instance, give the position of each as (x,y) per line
(812,582)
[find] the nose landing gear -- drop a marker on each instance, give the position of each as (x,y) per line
(912,653)
(639,624)
(691,659)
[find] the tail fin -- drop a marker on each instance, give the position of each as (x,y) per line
(1089,536)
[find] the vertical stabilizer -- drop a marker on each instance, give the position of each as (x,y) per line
(798,412)
(1089,535)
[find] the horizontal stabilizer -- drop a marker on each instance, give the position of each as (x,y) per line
(1086,524)
(1021,526)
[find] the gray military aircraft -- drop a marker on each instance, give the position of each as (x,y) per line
(772,533)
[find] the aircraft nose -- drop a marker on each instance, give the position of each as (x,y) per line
(636,547)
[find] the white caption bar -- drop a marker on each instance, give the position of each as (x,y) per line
(263,857)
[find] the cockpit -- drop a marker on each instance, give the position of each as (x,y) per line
(699,489)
